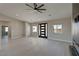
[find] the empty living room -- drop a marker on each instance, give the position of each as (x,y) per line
(39,29)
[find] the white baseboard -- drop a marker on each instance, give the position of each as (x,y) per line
(62,40)
(57,40)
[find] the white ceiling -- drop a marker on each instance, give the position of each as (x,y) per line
(22,12)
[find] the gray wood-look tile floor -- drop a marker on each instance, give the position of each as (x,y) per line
(34,47)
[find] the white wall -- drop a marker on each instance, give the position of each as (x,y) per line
(67,29)
(27,29)
(0,32)
(17,27)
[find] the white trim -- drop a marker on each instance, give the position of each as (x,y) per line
(62,40)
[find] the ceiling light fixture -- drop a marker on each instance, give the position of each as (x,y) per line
(37,7)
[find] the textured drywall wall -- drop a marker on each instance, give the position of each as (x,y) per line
(66,33)
(65,36)
(27,29)
(17,27)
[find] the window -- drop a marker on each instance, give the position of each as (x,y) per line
(34,28)
(57,28)
(6,29)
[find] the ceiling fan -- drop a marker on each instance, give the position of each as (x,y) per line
(36,7)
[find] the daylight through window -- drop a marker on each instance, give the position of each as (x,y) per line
(57,28)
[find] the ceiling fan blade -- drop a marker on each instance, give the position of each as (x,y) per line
(41,9)
(29,6)
(40,6)
(35,5)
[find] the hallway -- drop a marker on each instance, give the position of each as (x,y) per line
(34,47)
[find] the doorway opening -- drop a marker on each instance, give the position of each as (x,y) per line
(4,32)
(4,36)
(43,30)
